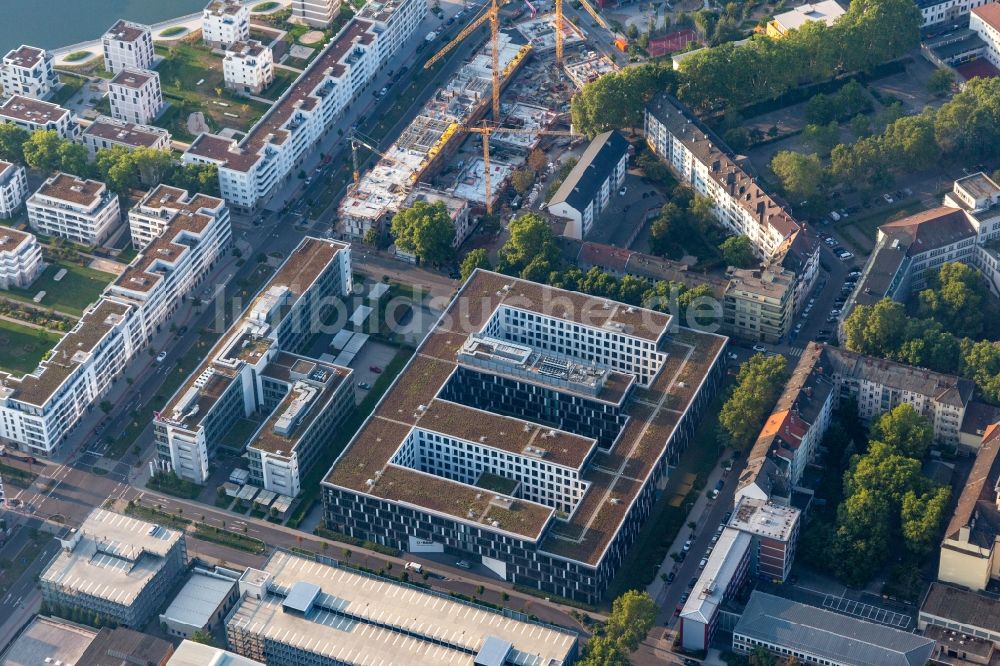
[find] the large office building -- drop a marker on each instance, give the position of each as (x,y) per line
(315,13)
(252,168)
(20,258)
(127,45)
(47,640)
(135,96)
(587,190)
(813,635)
(225,22)
(82,211)
(255,369)
(303,611)
(106,132)
(13,188)
(32,115)
(28,71)
(116,567)
(529,434)
(248,67)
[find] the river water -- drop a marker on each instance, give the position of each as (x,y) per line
(55,23)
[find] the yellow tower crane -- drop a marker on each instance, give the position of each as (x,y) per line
(485,130)
(560,20)
(356,140)
(491,14)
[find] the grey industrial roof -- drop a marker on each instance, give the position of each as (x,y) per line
(302,596)
(829,635)
(493,652)
(962,606)
(198,600)
(189,653)
(596,163)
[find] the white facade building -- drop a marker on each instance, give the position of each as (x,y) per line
(20,258)
(127,45)
(251,169)
(13,188)
(941,11)
(83,211)
(106,132)
(315,13)
(985,20)
(166,205)
(32,115)
(136,96)
(225,22)
(587,190)
(248,66)
(28,71)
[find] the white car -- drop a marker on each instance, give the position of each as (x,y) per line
(759,348)
(887,198)
(161,357)
(623,190)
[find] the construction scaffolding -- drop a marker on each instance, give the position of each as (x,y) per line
(588,67)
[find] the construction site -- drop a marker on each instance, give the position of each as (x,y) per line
(480,126)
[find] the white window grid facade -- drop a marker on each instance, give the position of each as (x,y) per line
(122,54)
(137,105)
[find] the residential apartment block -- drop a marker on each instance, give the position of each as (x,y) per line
(28,71)
(248,66)
(116,567)
(252,168)
(823,377)
(303,611)
(135,96)
(985,21)
(587,189)
(701,160)
(106,132)
(127,45)
(13,188)
(255,369)
(497,440)
(946,11)
(965,229)
(164,205)
(83,211)
(32,115)
(759,303)
(225,22)
(20,258)
(315,13)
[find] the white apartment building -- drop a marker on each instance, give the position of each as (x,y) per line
(248,66)
(985,20)
(127,45)
(13,188)
(941,11)
(20,258)
(165,206)
(225,22)
(28,71)
(106,132)
(32,115)
(252,168)
(587,190)
(136,96)
(83,211)
(315,13)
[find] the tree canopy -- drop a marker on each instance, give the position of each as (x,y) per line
(426,230)
(800,175)
(474,259)
(617,100)
(531,251)
(632,616)
(12,140)
(758,385)
(738,251)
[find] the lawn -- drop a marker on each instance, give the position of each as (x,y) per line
(71,84)
(80,287)
(192,79)
(283,78)
(869,223)
(22,348)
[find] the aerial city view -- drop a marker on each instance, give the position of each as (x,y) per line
(500,333)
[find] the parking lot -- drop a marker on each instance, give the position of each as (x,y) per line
(374,355)
(621,223)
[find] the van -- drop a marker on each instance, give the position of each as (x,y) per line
(415,567)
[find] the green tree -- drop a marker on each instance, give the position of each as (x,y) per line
(115,167)
(474,259)
(153,165)
(921,518)
(738,251)
(602,651)
(41,150)
(426,230)
(758,383)
(12,140)
(822,138)
(666,231)
(800,174)
(202,636)
(969,124)
(531,240)
(522,180)
(981,363)
(632,616)
(617,100)
(904,429)
(956,296)
(877,329)
(72,159)
(940,81)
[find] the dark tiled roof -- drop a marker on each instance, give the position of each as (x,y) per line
(121,646)
(930,229)
(976,507)
(595,165)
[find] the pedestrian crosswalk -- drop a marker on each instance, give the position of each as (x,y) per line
(795,351)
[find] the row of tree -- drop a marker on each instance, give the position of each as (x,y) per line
(966,128)
(618,100)
(757,388)
(887,500)
(119,168)
(870,33)
(953,305)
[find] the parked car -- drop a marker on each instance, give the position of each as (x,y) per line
(415,567)
(374,368)
(725,518)
(687,546)
(161,357)
(671,577)
(685,596)
(364,386)
(692,582)
(759,348)
(887,198)
(623,190)
(463,564)
(714,493)
(701,565)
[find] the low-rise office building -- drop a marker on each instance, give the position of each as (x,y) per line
(135,96)
(114,567)
(13,188)
(106,132)
(490,442)
(127,45)
(33,115)
(20,258)
(587,190)
(255,368)
(83,211)
(248,67)
(985,21)
(225,22)
(315,13)
(965,624)
(28,71)
(826,11)
(252,168)
(816,636)
(302,611)
(203,602)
